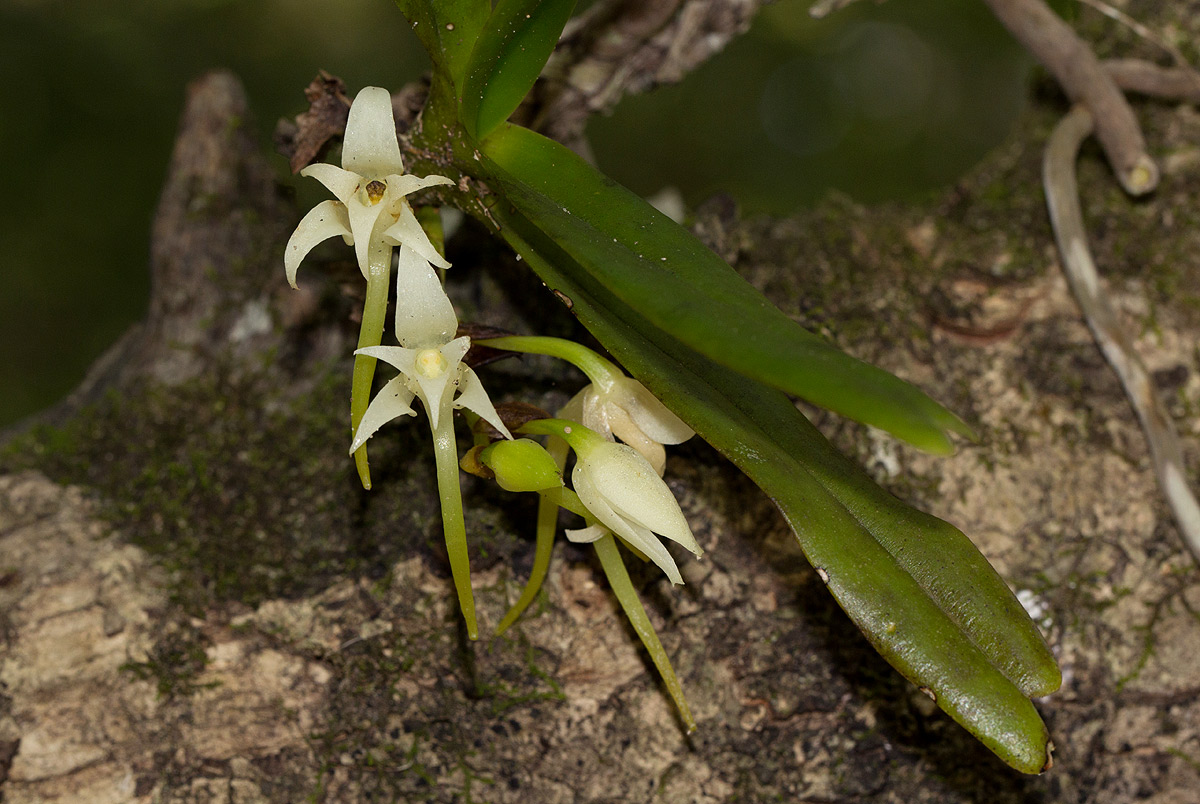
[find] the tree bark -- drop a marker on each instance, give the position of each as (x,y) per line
(198,605)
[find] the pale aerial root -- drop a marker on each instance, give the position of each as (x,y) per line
(1062,198)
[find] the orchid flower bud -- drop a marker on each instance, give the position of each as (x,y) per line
(521,465)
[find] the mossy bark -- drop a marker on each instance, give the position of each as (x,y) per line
(199,603)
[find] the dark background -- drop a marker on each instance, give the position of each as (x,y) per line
(878,101)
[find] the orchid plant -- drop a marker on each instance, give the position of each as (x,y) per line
(709,355)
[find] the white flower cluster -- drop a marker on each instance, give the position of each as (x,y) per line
(619,486)
(372,214)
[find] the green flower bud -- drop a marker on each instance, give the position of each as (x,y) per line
(521,465)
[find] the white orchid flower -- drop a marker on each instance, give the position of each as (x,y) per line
(372,214)
(371,189)
(524,465)
(622,490)
(435,375)
(612,404)
(624,493)
(621,406)
(429,362)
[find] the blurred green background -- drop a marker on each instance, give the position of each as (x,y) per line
(879,101)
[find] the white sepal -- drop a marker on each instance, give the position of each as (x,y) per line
(400,185)
(407,231)
(650,415)
(424,314)
(322,222)
(370,147)
(624,428)
(344,184)
(474,398)
(393,401)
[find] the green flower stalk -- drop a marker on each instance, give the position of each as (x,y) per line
(372,214)
(515,472)
(618,579)
(613,404)
(523,465)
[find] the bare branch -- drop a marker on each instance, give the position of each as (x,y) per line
(1085,81)
(1129,22)
(1147,78)
(623,47)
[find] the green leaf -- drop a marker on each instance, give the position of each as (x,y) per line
(448,30)
(916,586)
(510,54)
(657,268)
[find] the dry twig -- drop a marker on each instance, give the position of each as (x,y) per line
(1085,81)
(1147,78)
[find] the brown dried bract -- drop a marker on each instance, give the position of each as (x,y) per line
(471,464)
(329,107)
(303,139)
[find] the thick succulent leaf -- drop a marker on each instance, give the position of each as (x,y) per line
(509,55)
(657,268)
(916,586)
(447,29)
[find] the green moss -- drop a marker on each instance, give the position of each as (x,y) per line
(239,500)
(536,687)
(174,662)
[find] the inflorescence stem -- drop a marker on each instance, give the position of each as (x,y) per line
(446,455)
(602,373)
(618,579)
(370,333)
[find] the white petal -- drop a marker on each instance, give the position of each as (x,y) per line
(406,231)
(363,218)
(424,315)
(398,357)
(638,536)
(635,491)
(587,535)
(650,415)
(595,413)
(474,398)
(456,349)
(624,428)
(322,222)
(393,401)
(342,183)
(370,147)
(402,185)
